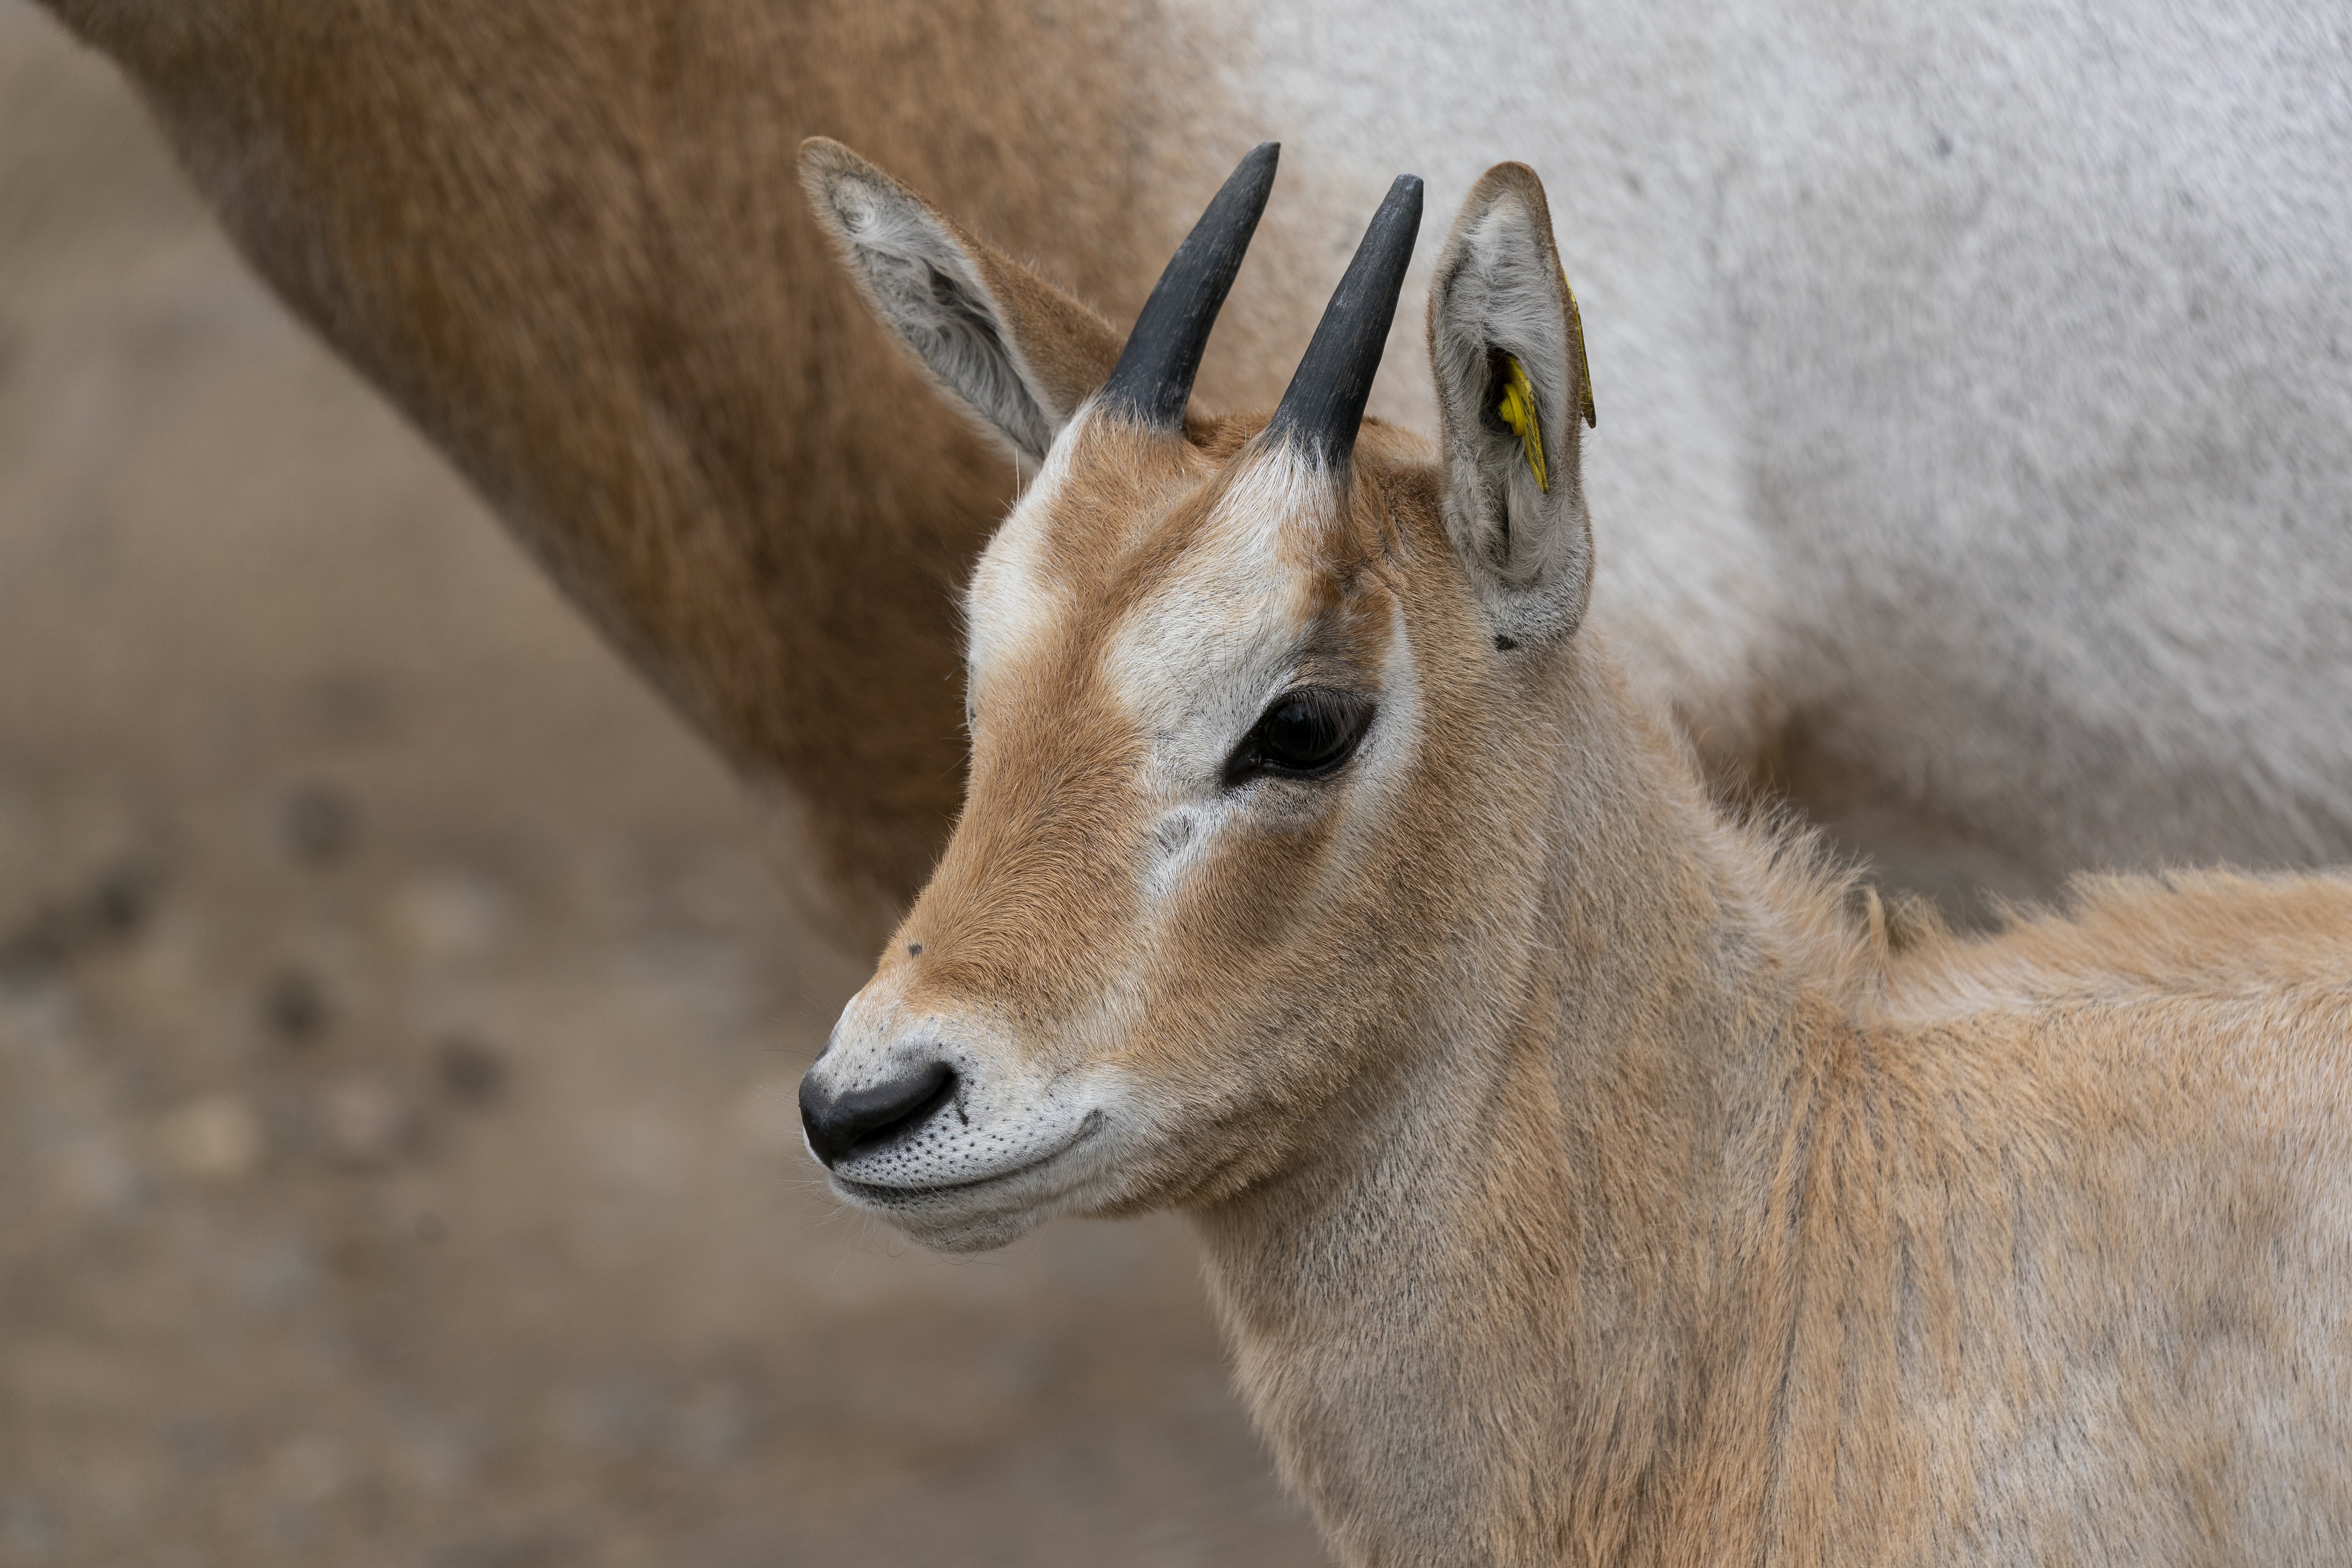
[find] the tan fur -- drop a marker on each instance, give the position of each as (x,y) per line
(568,241)
(1587,1176)
(560,235)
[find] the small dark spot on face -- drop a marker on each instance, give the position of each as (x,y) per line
(914,949)
(1506,644)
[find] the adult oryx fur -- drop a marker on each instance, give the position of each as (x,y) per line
(1973,383)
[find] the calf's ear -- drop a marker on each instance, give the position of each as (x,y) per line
(1513,398)
(1017,352)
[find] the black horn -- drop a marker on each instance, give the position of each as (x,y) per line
(1325,405)
(1153,379)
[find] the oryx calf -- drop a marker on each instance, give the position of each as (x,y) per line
(1583,1176)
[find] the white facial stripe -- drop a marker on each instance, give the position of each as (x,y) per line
(1179,839)
(1234,603)
(1012,602)
(1379,763)
(1198,662)
(1278,494)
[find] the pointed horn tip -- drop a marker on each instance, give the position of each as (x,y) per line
(1251,180)
(1324,408)
(1404,195)
(1152,381)
(1253,175)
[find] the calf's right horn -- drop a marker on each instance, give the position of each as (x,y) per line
(1325,405)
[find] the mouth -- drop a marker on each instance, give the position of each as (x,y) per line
(880,1197)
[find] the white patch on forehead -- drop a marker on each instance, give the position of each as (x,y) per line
(1012,602)
(1198,661)
(1233,604)
(1194,808)
(1277,493)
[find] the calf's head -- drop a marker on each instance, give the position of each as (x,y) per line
(1255,806)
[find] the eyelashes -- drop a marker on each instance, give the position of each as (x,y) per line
(1305,733)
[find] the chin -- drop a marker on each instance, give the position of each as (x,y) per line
(1084,1177)
(950,1219)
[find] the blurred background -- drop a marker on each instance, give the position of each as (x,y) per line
(399,1024)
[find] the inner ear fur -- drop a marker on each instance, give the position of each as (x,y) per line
(1018,353)
(1498,297)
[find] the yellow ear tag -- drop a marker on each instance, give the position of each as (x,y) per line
(1584,365)
(1518,410)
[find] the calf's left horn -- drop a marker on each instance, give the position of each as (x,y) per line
(1153,379)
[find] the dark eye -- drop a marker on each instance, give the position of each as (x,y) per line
(1307,734)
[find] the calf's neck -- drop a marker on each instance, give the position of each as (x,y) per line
(1584,1174)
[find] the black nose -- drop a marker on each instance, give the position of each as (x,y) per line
(841,1125)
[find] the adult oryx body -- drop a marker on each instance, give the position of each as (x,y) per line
(1584,1175)
(1974,385)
